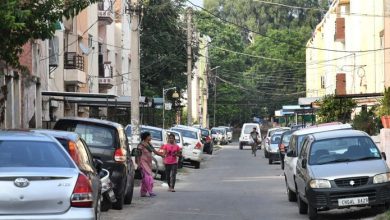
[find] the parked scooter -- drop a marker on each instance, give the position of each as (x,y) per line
(108,196)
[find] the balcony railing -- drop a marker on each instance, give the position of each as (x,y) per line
(105,13)
(73,61)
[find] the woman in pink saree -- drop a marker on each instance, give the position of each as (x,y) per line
(144,162)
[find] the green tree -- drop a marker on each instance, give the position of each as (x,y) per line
(335,109)
(24,20)
(163,46)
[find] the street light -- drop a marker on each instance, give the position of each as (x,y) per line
(175,95)
(215,90)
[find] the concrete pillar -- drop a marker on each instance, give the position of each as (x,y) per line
(385,143)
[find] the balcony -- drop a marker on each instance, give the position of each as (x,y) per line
(74,69)
(105,13)
(106,80)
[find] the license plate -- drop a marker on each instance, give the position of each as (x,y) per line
(353,201)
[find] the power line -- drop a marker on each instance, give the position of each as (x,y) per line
(282,41)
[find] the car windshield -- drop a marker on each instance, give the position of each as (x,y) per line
(275,139)
(95,136)
(33,154)
(286,139)
(187,133)
(205,132)
(343,150)
(249,128)
(156,134)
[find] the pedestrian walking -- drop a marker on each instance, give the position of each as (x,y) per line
(171,153)
(254,135)
(144,162)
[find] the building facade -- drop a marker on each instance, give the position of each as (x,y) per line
(346,53)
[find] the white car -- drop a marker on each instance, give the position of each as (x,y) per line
(291,157)
(159,136)
(229,133)
(219,135)
(192,147)
(270,132)
(245,139)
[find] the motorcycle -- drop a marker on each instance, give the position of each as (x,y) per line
(108,196)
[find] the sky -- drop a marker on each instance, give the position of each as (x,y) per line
(197,2)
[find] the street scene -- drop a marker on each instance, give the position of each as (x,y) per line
(194,109)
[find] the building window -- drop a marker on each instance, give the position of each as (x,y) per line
(322,82)
(90,41)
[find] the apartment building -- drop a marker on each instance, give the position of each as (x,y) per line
(346,54)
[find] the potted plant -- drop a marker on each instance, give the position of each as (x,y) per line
(384,109)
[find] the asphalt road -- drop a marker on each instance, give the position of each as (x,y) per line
(230,185)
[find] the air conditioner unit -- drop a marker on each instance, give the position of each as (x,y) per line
(53,52)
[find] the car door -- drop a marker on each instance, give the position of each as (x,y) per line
(302,174)
(289,164)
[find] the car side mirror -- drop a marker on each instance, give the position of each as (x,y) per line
(290,153)
(304,163)
(384,155)
(98,164)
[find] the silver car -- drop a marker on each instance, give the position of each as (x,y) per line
(39,180)
(341,169)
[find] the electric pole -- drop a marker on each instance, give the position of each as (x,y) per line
(215,94)
(135,9)
(189,66)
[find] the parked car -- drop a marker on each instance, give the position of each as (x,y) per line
(91,167)
(283,145)
(341,169)
(108,142)
(219,135)
(270,132)
(272,149)
(192,147)
(39,180)
(291,157)
(229,133)
(159,137)
(207,141)
(245,139)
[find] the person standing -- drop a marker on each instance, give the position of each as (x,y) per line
(171,153)
(144,162)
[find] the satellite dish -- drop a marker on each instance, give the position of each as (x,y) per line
(84,49)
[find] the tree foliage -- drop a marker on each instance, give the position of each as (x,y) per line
(335,109)
(24,20)
(163,46)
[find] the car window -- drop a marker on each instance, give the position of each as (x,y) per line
(343,150)
(292,144)
(275,139)
(303,152)
(248,129)
(156,134)
(205,132)
(286,139)
(187,133)
(94,135)
(33,154)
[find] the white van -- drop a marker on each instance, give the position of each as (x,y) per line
(245,134)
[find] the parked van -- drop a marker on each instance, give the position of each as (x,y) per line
(246,129)
(341,169)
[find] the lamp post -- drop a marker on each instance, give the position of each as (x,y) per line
(174,95)
(215,90)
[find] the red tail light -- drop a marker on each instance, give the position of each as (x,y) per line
(198,145)
(73,152)
(120,155)
(82,193)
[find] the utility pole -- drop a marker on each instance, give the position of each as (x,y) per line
(135,11)
(189,66)
(215,94)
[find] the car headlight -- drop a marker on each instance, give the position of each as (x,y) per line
(382,178)
(318,184)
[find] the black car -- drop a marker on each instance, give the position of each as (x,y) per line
(81,155)
(107,142)
(207,141)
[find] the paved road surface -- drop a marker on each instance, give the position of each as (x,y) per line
(230,185)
